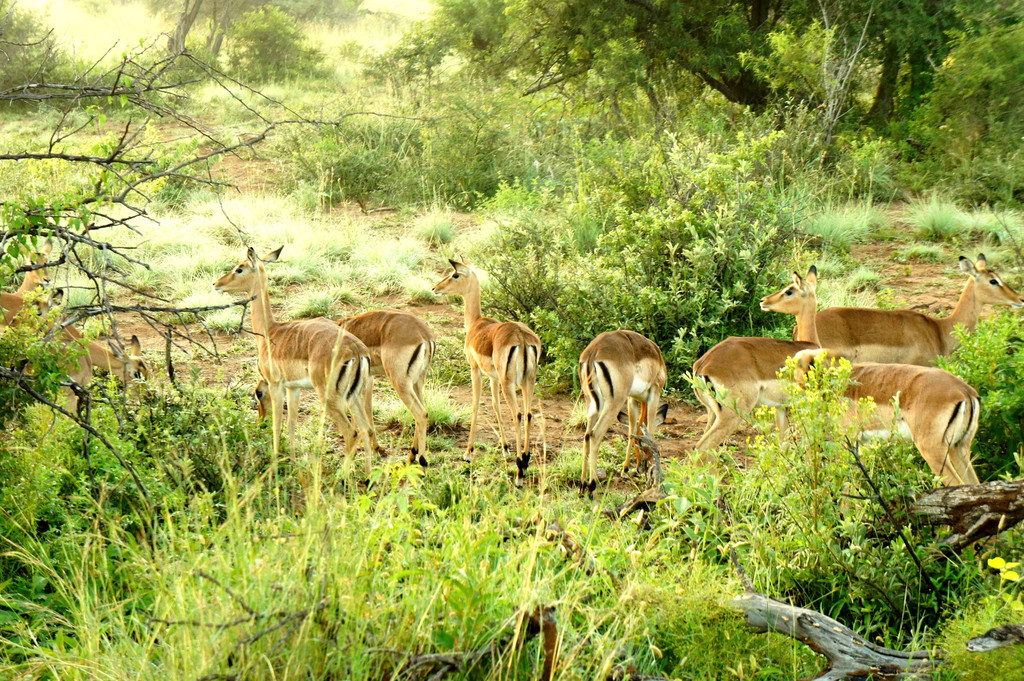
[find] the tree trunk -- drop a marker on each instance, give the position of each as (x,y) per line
(176,42)
(745,88)
(885,94)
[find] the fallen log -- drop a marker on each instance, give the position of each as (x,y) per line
(973,512)
(1000,637)
(849,655)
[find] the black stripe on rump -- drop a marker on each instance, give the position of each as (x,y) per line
(415,356)
(607,377)
(341,375)
(355,380)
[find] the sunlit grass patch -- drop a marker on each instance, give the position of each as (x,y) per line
(435,228)
(933,253)
(841,226)
(864,279)
(317,302)
(936,219)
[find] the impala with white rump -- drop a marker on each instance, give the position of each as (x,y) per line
(507,352)
(937,411)
(740,374)
(312,353)
(619,367)
(401,347)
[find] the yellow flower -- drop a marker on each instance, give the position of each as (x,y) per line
(996,563)
(1010,575)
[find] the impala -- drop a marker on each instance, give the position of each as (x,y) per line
(401,347)
(313,353)
(619,367)
(937,411)
(35,278)
(907,337)
(506,351)
(746,368)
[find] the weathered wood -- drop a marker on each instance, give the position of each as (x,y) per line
(1000,637)
(973,512)
(849,655)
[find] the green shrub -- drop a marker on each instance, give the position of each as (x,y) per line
(688,251)
(991,360)
(28,51)
(840,227)
(267,44)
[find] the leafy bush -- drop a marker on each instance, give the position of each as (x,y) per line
(688,251)
(267,44)
(991,360)
(936,219)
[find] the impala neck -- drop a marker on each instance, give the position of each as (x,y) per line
(472,303)
(966,312)
(102,358)
(262,315)
(806,328)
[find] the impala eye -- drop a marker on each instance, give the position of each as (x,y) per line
(455,276)
(238,270)
(994,282)
(789,292)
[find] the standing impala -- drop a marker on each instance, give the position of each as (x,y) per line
(746,368)
(401,347)
(937,410)
(312,353)
(507,352)
(619,367)
(907,337)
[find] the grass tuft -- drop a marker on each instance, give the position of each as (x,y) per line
(937,219)
(841,226)
(436,228)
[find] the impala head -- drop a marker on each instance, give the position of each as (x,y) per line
(244,276)
(261,398)
(798,295)
(38,277)
(135,368)
(989,286)
(459,281)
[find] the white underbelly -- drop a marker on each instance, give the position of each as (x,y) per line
(902,431)
(300,384)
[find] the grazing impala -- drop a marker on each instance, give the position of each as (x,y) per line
(312,353)
(13,302)
(401,347)
(907,337)
(507,352)
(937,410)
(747,367)
(619,367)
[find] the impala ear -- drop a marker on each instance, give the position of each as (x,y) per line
(981,264)
(797,279)
(250,255)
(47,247)
(57,297)
(460,267)
(134,346)
(812,277)
(273,255)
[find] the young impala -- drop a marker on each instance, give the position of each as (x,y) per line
(746,368)
(507,352)
(312,353)
(401,347)
(907,337)
(619,367)
(937,411)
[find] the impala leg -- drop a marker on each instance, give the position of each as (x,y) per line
(726,421)
(496,403)
(412,397)
(596,432)
(509,390)
(362,413)
(276,414)
(637,412)
(477,387)
(367,399)
(529,382)
(293,417)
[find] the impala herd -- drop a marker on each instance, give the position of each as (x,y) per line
(620,372)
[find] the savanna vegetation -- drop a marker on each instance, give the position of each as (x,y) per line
(655,165)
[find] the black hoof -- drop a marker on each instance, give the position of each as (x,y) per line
(423,461)
(591,487)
